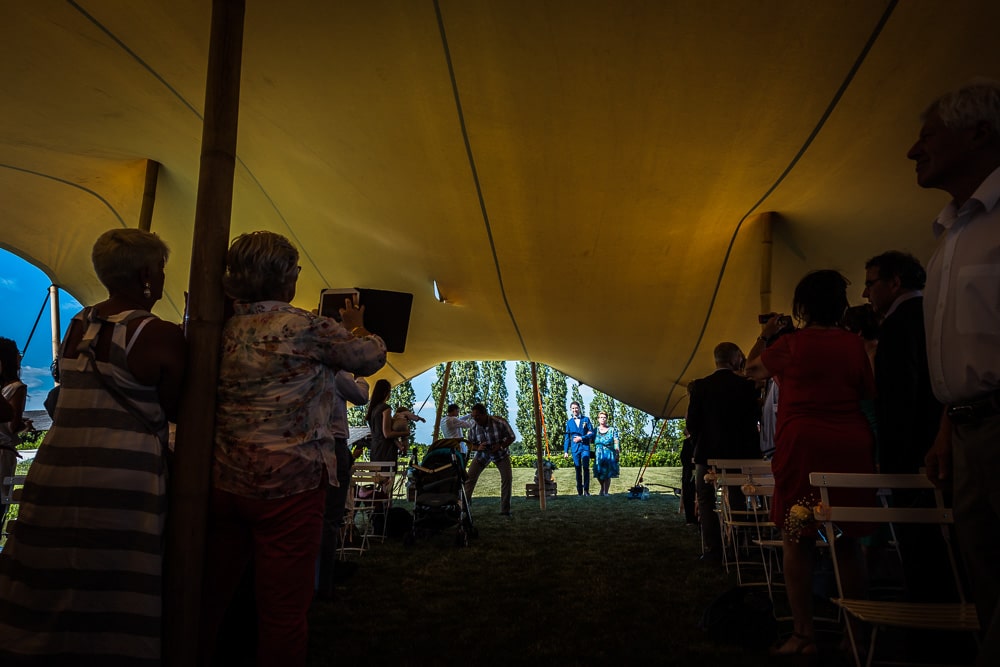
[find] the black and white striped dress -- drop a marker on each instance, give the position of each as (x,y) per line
(80,576)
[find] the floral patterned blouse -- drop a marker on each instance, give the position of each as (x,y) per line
(276,386)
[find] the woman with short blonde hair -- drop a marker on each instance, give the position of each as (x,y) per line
(94,504)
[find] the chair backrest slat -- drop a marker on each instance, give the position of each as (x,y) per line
(891,515)
(842,480)
(736,464)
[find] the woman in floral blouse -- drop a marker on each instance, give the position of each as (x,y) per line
(274,452)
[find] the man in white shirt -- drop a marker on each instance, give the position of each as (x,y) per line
(453,426)
(958,151)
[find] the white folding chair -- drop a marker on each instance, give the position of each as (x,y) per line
(742,526)
(959,616)
(10,494)
(370,495)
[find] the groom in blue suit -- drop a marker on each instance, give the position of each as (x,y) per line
(579,435)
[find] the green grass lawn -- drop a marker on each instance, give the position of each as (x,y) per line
(657,479)
(598,580)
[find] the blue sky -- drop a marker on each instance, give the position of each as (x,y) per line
(23,289)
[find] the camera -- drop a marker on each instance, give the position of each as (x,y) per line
(784,322)
(332,300)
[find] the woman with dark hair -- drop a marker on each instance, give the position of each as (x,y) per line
(80,576)
(275,451)
(14,395)
(824,375)
(386,443)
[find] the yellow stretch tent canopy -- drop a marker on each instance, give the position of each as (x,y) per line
(588,182)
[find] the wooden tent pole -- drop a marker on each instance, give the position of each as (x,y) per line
(541,416)
(539,467)
(441,401)
(149,195)
(766,252)
(189,488)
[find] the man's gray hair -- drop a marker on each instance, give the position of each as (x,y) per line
(729,355)
(259,266)
(119,254)
(975,102)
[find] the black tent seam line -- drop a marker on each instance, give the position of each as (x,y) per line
(90,192)
(100,26)
(135,56)
(387,363)
(475,173)
(852,72)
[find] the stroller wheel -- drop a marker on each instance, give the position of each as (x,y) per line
(409,539)
(461,539)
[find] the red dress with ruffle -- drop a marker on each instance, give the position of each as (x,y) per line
(823,375)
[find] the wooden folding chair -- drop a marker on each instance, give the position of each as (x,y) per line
(960,616)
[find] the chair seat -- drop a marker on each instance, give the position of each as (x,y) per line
(768,543)
(752,524)
(922,615)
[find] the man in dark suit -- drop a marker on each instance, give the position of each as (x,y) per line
(906,412)
(576,443)
(723,413)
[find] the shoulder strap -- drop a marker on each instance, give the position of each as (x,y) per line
(87,348)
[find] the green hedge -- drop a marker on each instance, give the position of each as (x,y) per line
(627,460)
(661,458)
(30,439)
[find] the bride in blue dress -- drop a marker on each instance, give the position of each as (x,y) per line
(606,457)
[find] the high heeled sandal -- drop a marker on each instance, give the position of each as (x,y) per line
(806,647)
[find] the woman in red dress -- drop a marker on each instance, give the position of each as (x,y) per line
(824,376)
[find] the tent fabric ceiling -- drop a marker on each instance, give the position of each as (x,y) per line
(582,179)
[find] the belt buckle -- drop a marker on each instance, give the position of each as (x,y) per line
(961,414)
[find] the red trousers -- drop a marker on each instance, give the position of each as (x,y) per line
(282,536)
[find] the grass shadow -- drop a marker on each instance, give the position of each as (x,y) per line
(590,580)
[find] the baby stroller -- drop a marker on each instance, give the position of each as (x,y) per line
(439,499)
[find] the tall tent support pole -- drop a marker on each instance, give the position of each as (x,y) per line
(541,414)
(766,252)
(189,488)
(54,319)
(149,195)
(441,401)
(539,467)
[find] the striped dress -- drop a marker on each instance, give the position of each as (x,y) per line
(80,576)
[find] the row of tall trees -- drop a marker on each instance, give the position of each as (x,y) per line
(472,382)
(485,382)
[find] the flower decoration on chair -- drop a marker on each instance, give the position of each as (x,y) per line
(711,477)
(749,489)
(802,518)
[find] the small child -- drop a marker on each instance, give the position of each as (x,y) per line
(401,422)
